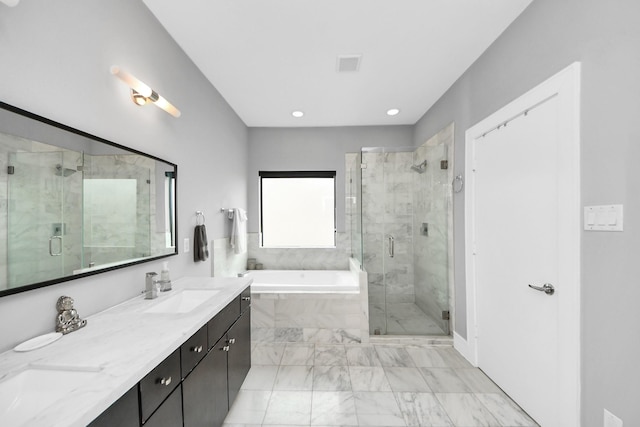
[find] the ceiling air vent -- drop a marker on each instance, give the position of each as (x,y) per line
(349,63)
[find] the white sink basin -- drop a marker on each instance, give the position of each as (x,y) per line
(183,302)
(29,392)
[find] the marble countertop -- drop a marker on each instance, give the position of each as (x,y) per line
(124,344)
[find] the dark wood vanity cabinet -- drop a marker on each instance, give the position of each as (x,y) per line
(197,384)
(210,389)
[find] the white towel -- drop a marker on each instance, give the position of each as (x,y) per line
(239,231)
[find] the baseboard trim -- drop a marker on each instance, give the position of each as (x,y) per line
(462,346)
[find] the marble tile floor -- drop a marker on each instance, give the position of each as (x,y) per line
(409,319)
(303,384)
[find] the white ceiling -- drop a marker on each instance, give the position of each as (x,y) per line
(271,57)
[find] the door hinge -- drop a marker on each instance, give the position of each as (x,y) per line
(446,315)
(11,170)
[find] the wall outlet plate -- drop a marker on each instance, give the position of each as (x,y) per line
(186,245)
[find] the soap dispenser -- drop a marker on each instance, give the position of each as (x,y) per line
(165,278)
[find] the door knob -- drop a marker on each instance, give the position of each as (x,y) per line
(547,288)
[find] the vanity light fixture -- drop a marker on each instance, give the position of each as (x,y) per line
(393,112)
(297,114)
(141,93)
(10,3)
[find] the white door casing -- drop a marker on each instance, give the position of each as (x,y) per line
(557,206)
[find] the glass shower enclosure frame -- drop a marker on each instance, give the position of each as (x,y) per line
(401,211)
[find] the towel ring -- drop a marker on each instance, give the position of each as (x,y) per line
(200,217)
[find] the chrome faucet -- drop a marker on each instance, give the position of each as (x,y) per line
(151,286)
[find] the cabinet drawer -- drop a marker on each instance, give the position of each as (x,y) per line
(159,383)
(223,321)
(245,299)
(193,350)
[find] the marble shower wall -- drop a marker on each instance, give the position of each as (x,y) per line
(387,206)
(433,206)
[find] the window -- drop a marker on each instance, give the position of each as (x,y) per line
(298,209)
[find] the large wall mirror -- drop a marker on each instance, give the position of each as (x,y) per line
(73,205)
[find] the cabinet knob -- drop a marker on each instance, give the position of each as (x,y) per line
(232,340)
(197,349)
(246,298)
(225,348)
(165,381)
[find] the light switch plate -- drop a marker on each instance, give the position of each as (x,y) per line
(186,245)
(603,218)
(611,420)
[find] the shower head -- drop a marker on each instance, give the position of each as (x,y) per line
(65,172)
(421,168)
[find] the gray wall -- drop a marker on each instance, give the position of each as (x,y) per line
(605,37)
(273,149)
(55,57)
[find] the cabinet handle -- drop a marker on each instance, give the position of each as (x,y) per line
(232,340)
(165,381)
(246,298)
(225,348)
(197,349)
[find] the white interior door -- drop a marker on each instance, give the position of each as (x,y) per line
(523,229)
(516,245)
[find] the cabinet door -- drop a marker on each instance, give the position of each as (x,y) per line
(205,399)
(169,414)
(239,338)
(123,413)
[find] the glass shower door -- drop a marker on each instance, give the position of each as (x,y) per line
(405,240)
(40,237)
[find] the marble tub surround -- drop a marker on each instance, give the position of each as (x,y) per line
(301,258)
(123,344)
(317,318)
(369,385)
(312,317)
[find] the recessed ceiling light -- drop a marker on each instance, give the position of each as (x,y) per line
(297,114)
(392,112)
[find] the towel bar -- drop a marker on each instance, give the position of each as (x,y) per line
(228,211)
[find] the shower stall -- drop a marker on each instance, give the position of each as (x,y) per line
(400,222)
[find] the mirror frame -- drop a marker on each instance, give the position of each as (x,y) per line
(98,270)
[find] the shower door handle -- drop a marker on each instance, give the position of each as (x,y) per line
(51,239)
(391,245)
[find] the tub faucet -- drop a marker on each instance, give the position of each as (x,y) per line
(151,286)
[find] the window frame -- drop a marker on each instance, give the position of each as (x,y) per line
(297,174)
